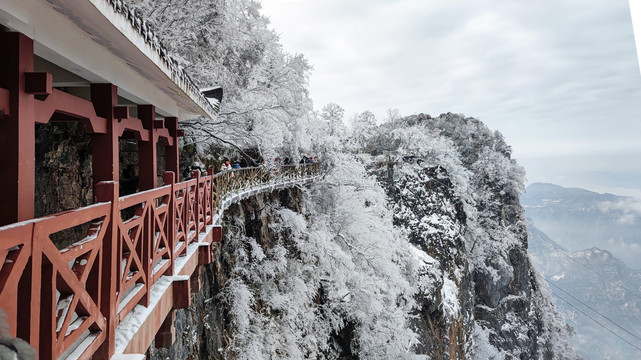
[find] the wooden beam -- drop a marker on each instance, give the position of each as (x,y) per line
(38,83)
(217,234)
(182,292)
(121,112)
(204,254)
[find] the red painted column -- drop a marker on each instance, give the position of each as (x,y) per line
(108,192)
(17,130)
(105,162)
(104,147)
(147,162)
(172,152)
(195,174)
(169,178)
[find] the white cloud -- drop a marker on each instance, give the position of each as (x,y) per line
(628,211)
(555,77)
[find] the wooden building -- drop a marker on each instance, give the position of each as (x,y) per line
(96,63)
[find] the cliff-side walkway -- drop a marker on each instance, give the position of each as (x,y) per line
(116,288)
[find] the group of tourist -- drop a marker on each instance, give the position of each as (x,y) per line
(243,163)
(308,160)
(304,160)
(228,165)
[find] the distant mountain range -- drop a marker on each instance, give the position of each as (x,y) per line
(589,282)
(578,219)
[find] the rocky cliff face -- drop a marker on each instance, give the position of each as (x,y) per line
(456,192)
(437,267)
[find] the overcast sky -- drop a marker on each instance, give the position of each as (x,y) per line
(560,79)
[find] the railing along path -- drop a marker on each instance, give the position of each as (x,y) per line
(68,302)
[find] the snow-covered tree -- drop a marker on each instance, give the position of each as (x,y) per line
(338,281)
(333,114)
(229,43)
(393,115)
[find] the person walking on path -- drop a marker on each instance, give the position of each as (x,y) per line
(225,166)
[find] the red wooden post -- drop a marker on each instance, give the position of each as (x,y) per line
(196,174)
(169,178)
(105,192)
(108,192)
(17,130)
(104,147)
(147,162)
(171,152)
(147,166)
(30,288)
(145,246)
(105,163)
(210,198)
(186,210)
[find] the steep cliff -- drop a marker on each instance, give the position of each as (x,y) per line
(427,259)
(207,329)
(456,191)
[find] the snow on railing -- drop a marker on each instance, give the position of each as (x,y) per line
(75,297)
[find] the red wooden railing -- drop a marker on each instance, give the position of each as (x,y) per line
(59,289)
(56,299)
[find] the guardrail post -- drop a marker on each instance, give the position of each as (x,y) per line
(147,239)
(106,171)
(169,178)
(210,172)
(108,192)
(196,174)
(29,296)
(186,209)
